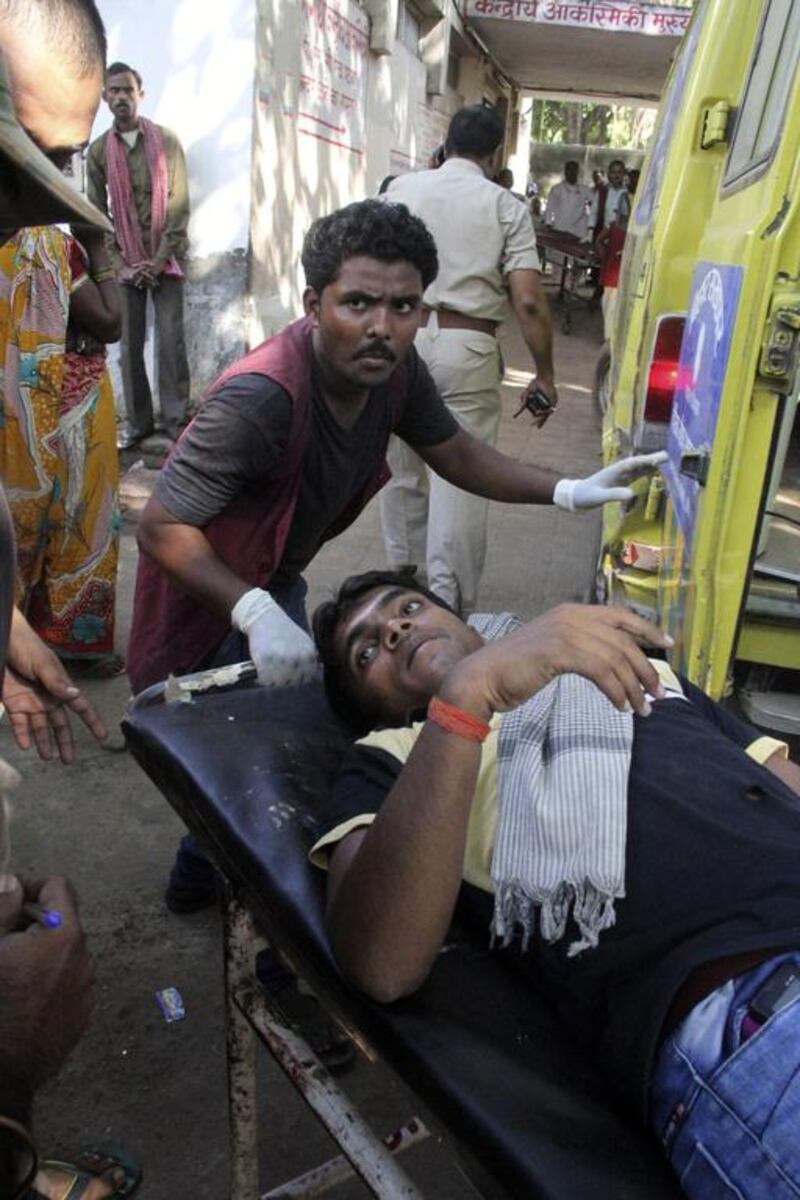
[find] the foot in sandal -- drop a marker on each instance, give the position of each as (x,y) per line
(92,1175)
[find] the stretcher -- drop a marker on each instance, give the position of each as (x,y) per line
(483,1054)
(576,259)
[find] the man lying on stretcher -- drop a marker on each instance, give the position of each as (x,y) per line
(641,844)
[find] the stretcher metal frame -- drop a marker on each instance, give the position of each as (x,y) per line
(251,1018)
(576,258)
(520,1109)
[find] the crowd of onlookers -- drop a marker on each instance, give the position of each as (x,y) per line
(594,217)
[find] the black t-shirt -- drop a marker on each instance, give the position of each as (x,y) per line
(240,433)
(712,869)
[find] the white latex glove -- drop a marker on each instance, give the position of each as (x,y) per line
(283,653)
(607,484)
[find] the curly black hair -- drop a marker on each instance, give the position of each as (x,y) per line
(373,228)
(341,694)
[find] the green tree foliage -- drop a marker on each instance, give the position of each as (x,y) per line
(615,125)
(573,123)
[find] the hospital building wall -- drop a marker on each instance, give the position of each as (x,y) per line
(287,110)
(333,116)
(197,63)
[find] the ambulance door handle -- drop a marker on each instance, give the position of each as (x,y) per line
(695,464)
(716,119)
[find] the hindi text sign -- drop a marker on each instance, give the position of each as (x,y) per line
(333,77)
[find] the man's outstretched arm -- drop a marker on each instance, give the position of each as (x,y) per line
(475,467)
(392,888)
(532,311)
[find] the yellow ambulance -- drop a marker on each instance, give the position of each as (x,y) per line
(704,363)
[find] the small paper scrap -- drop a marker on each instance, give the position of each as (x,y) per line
(171,1004)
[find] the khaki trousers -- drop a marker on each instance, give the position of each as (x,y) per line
(426,520)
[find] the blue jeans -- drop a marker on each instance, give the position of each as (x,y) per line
(727,1110)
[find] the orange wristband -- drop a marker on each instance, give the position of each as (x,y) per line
(453,720)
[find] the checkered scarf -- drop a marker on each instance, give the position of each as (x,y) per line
(563,763)
(123,209)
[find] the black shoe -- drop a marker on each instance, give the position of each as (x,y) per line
(192,880)
(129,441)
(126,442)
(184,901)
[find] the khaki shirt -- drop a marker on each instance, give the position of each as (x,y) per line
(482,234)
(174,240)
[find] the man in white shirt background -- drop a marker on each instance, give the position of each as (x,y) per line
(614,192)
(487,255)
(568,205)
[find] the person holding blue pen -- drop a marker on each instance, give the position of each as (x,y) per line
(51,65)
(50,918)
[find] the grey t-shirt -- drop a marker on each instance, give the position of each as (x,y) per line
(240,433)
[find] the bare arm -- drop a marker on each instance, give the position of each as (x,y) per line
(787,771)
(532,311)
(92,309)
(472,465)
(187,556)
(392,889)
(95,306)
(478,468)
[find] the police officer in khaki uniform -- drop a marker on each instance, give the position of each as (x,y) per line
(487,254)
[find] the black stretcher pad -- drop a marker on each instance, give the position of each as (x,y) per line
(247,769)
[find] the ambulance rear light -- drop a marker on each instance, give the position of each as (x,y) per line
(662,378)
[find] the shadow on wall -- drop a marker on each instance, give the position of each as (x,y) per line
(215,324)
(216,320)
(296,177)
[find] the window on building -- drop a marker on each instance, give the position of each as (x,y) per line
(769,86)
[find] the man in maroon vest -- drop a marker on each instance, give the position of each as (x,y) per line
(287,450)
(289,446)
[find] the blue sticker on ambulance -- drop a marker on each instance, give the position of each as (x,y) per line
(705,348)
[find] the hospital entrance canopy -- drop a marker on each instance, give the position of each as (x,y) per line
(617,49)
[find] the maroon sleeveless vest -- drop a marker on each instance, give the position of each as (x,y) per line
(172,631)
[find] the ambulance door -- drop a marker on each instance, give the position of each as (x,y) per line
(732,438)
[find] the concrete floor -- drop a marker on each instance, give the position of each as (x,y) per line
(158,1090)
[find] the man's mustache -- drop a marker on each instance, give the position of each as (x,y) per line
(376,350)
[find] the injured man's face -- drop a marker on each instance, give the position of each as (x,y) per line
(395,648)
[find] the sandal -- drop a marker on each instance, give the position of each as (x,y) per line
(124,1175)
